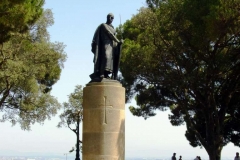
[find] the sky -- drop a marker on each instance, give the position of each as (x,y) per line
(75,24)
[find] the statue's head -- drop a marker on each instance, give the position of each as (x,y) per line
(110,18)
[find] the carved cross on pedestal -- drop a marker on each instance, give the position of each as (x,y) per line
(106,107)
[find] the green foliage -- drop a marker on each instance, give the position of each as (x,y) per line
(183,55)
(72,150)
(17,15)
(73,115)
(29,65)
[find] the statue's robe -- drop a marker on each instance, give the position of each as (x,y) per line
(104,48)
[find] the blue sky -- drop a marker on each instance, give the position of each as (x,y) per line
(75,23)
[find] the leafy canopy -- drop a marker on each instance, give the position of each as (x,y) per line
(29,65)
(17,15)
(184,55)
(73,110)
(72,116)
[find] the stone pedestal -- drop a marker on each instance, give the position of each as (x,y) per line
(104,121)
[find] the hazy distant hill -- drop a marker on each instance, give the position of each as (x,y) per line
(72,156)
(34,154)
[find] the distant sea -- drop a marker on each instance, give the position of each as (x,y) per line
(73,157)
(8,155)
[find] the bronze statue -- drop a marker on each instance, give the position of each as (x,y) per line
(106,49)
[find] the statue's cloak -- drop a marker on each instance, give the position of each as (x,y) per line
(96,49)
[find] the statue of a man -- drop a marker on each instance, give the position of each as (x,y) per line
(106,49)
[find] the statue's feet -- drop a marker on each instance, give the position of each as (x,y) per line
(96,77)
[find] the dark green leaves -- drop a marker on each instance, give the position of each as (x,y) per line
(16,16)
(29,66)
(184,55)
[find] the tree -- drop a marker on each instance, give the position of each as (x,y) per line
(184,55)
(17,15)
(73,115)
(29,66)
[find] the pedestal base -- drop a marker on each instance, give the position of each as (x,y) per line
(104,121)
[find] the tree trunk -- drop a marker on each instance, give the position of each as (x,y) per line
(214,153)
(77,144)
